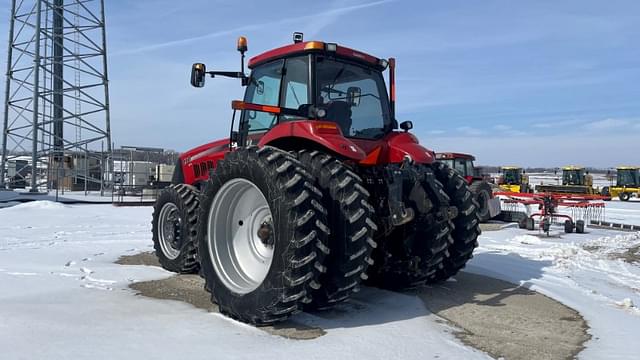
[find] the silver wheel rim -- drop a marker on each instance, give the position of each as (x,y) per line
(238,214)
(169,228)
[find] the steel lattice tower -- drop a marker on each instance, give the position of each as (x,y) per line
(57,95)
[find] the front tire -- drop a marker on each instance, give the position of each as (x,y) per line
(264,235)
(466,225)
(174,226)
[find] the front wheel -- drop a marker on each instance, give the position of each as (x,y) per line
(264,235)
(174,226)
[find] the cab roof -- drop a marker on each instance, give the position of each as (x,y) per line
(511,168)
(573,167)
(318,47)
(453,155)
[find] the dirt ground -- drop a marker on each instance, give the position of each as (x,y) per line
(497,317)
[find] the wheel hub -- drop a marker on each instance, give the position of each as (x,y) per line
(264,233)
(169,230)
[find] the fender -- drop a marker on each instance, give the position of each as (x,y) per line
(325,133)
(395,147)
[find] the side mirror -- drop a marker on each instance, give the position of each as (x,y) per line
(198,73)
(406,125)
(353,95)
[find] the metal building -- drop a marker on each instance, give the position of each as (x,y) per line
(57,95)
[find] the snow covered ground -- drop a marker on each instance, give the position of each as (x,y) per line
(63,297)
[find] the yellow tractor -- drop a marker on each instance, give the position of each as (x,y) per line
(627,184)
(514,179)
(575,180)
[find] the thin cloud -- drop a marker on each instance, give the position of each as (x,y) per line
(557,124)
(331,16)
(606,124)
(508,130)
(502,127)
(467,130)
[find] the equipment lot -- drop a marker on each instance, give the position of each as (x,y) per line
(63,297)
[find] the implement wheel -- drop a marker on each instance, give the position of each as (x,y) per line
(530,224)
(568,226)
(264,235)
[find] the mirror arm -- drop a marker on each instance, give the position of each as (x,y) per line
(231,74)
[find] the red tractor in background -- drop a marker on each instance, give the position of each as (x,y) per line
(314,191)
(489,205)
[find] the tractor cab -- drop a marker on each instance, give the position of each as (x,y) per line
(511,175)
(628,176)
(314,82)
(514,179)
(575,175)
(320,94)
(575,180)
(462,163)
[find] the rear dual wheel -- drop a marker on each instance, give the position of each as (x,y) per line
(264,235)
(466,225)
(412,253)
(350,218)
(482,194)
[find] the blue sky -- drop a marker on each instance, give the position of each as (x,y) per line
(535,83)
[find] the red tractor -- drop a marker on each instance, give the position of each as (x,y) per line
(314,191)
(488,204)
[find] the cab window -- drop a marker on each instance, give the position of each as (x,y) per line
(263,89)
(295,89)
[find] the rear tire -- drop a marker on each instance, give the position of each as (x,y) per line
(350,219)
(412,253)
(274,275)
(466,225)
(174,226)
(482,194)
(624,196)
